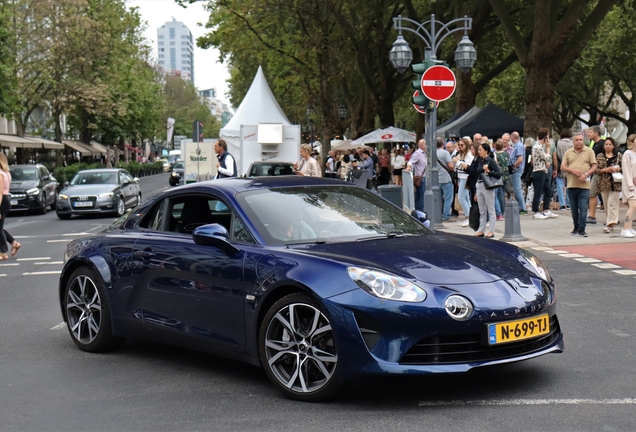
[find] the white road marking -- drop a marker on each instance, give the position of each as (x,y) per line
(59,326)
(588,260)
(618,333)
(76,234)
(541,248)
(96,228)
(9,265)
(518,402)
(572,255)
(625,272)
(41,273)
(2,275)
(59,241)
(606,266)
(48,263)
(33,259)
(556,252)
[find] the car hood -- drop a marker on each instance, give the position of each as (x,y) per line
(21,186)
(436,259)
(92,189)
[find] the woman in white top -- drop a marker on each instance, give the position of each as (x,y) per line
(308,166)
(629,186)
(463,155)
(397,162)
(5,207)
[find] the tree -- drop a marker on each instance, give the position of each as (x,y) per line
(8,88)
(557,35)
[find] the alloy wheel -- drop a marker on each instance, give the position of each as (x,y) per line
(83,309)
(300,348)
(121,207)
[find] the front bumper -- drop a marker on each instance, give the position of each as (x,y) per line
(380,337)
(95,205)
(23,202)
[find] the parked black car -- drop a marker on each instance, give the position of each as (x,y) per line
(32,188)
(267,168)
(177,176)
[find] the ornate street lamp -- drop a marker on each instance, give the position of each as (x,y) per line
(401,54)
(342,112)
(465,54)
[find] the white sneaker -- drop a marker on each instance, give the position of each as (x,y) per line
(539,216)
(550,214)
(464,224)
(627,233)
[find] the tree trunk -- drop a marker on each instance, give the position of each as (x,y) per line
(466,92)
(539,100)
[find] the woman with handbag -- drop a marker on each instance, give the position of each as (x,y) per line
(398,162)
(541,181)
(486,171)
(609,164)
(629,186)
(464,155)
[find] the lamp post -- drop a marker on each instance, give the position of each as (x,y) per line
(432,32)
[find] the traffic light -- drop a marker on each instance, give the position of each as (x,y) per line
(197,131)
(418,70)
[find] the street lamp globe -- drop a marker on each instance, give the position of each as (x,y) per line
(465,54)
(401,54)
(342,112)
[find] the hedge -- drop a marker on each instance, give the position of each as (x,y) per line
(136,169)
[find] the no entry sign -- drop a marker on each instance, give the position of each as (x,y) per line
(438,83)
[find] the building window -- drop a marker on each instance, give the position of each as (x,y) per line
(160,49)
(160,56)
(160,43)
(171,43)
(173,58)
(171,33)
(160,37)
(161,62)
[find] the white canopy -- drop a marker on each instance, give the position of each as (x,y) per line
(390,134)
(258,106)
(620,134)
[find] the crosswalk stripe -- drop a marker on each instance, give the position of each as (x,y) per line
(9,265)
(41,273)
(33,259)
(49,263)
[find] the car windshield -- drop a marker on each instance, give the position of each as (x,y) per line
(88,178)
(178,164)
(23,174)
(272,169)
(325,214)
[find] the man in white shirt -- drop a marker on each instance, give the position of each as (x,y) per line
(226,166)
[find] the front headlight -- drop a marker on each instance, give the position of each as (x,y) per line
(538,267)
(106,195)
(386,286)
(174,174)
(61,196)
(33,191)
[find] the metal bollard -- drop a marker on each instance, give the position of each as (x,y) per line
(513,224)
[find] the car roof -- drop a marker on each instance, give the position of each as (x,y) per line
(27,166)
(106,170)
(240,184)
(271,163)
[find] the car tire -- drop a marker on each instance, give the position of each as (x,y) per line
(52,206)
(299,355)
(138,199)
(62,216)
(43,206)
(121,207)
(87,313)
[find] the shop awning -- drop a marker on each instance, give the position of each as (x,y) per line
(78,147)
(18,142)
(134,149)
(48,144)
(100,147)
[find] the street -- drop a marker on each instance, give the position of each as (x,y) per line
(48,384)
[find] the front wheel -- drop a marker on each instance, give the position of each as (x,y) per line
(121,207)
(88,313)
(298,349)
(43,206)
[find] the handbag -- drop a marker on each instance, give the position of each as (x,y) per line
(473,216)
(491,182)
(617,176)
(417,181)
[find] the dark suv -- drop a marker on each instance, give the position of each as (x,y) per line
(32,188)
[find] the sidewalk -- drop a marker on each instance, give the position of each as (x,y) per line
(555,232)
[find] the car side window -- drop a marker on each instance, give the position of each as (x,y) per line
(43,172)
(154,218)
(240,232)
(186,213)
(122,177)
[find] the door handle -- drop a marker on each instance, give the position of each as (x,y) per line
(147,253)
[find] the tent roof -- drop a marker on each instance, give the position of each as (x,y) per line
(258,106)
(452,119)
(444,130)
(390,134)
(491,121)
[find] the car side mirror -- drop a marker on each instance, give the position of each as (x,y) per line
(46,177)
(66,184)
(136,179)
(422,217)
(125,182)
(214,235)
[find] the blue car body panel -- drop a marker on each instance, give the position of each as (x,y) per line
(163,286)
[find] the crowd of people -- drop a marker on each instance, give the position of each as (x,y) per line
(477,176)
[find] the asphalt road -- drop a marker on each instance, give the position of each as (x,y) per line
(47,384)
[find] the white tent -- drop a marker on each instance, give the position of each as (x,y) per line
(620,134)
(258,106)
(390,134)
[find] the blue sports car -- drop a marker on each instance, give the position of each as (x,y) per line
(318,281)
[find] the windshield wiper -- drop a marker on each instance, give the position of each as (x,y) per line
(390,234)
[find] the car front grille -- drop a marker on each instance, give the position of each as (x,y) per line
(436,350)
(83,199)
(17,196)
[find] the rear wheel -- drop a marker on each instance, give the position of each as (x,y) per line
(88,313)
(298,349)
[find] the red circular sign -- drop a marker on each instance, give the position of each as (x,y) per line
(386,136)
(438,83)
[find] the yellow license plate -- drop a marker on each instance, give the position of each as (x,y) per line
(512,331)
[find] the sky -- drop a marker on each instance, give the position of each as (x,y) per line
(208,72)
